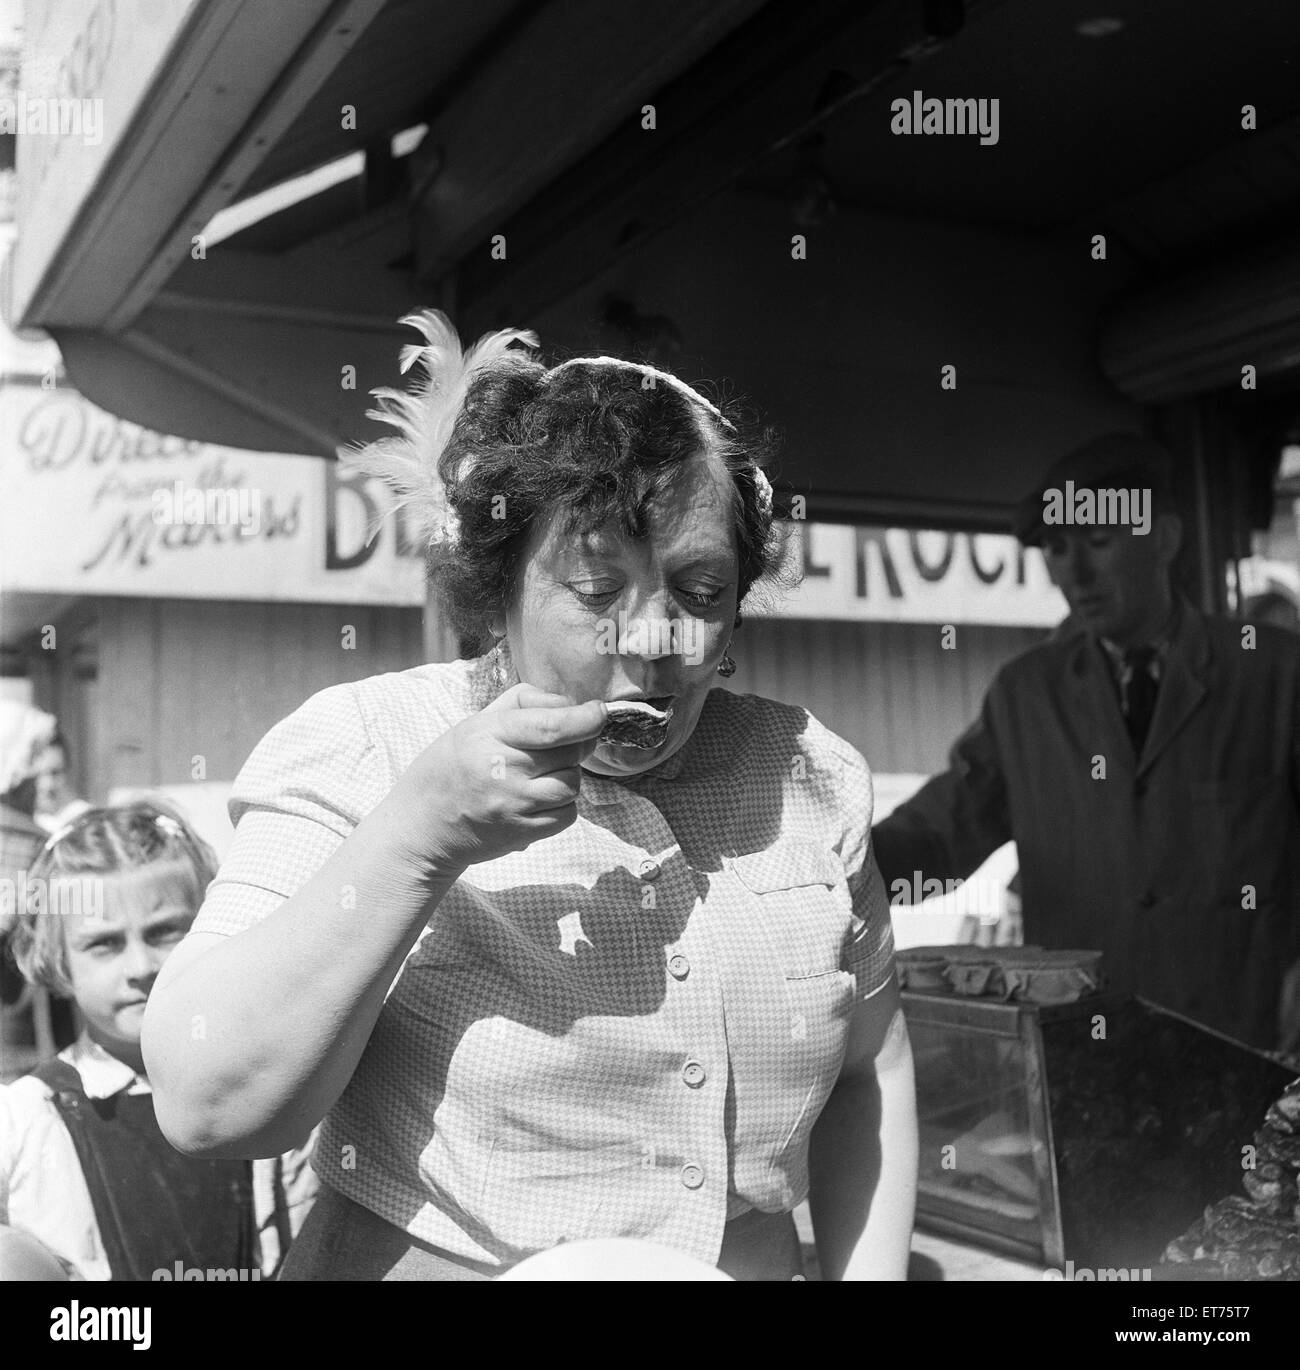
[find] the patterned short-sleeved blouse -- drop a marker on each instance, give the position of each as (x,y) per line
(627,1029)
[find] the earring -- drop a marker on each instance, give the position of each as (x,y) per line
(727,667)
(500,667)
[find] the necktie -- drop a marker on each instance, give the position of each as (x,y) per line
(1139,693)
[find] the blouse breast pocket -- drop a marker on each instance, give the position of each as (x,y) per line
(803,902)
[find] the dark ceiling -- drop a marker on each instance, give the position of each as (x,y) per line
(1120,117)
(1139,131)
(402,69)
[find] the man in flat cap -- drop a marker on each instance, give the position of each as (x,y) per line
(1146,760)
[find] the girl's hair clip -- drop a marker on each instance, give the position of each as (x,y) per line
(163,822)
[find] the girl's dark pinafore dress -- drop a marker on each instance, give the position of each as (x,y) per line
(154,1206)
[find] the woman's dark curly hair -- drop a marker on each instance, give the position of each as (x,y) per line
(598,443)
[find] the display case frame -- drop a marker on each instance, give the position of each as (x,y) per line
(1095,1131)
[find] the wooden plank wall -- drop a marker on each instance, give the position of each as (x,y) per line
(888,688)
(180,678)
(65,683)
(184,678)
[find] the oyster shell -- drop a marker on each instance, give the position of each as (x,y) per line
(634,723)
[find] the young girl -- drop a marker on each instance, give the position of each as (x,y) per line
(88,1183)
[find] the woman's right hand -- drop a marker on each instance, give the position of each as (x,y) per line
(24,1257)
(498,781)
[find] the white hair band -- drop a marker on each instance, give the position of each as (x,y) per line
(646,370)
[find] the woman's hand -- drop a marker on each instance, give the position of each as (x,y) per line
(24,1257)
(288,1005)
(862,1162)
(498,781)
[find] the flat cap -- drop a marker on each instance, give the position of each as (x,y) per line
(1114,461)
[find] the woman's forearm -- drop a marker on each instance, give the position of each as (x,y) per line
(250,1040)
(863,1164)
(884,1246)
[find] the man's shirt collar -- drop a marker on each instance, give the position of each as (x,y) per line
(1160,645)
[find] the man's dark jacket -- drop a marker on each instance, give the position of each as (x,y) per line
(1182,865)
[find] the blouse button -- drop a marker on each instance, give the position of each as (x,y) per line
(692,1175)
(648,870)
(693,1074)
(679,967)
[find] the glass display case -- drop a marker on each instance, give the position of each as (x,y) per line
(1093,1132)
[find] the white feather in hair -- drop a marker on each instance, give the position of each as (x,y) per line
(764,488)
(425,416)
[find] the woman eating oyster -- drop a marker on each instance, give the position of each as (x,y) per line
(549,967)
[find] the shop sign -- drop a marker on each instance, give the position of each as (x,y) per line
(908,576)
(97,505)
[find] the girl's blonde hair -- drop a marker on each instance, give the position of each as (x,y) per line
(145,836)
